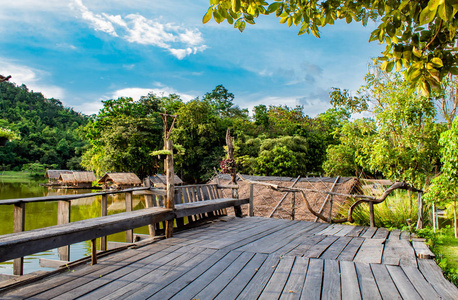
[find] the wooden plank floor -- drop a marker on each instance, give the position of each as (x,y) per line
(256,258)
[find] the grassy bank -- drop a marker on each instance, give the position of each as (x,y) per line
(20,176)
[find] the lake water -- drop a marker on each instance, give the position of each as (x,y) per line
(44,214)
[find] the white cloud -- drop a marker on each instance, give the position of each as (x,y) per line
(88,108)
(136,93)
(34,79)
(98,22)
(135,28)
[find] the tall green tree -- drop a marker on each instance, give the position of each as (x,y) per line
(420,36)
(404,142)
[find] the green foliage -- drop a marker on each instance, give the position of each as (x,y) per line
(419,35)
(48,130)
(402,140)
(9,134)
(394,212)
(123,135)
(278,161)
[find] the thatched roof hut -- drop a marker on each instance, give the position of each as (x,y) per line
(77,178)
(54,175)
(120,180)
(160,180)
(265,198)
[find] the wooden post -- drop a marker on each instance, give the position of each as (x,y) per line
(330,210)
(104,212)
(93,252)
(293,205)
(149,203)
(19,226)
(63,217)
(170,201)
(371,213)
(434,216)
(230,155)
(129,207)
(420,211)
(251,208)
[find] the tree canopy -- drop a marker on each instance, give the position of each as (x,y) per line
(419,35)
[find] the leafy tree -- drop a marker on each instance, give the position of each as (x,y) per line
(444,186)
(419,35)
(279,161)
(48,130)
(123,135)
(404,142)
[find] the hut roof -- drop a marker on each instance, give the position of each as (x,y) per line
(161,179)
(55,174)
(120,178)
(77,177)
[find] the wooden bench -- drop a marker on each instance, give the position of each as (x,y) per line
(24,243)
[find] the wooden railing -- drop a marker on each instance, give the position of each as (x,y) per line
(190,206)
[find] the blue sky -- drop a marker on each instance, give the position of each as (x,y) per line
(82,52)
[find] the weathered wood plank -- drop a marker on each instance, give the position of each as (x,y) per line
(197,284)
(257,284)
(220,282)
(313,279)
(306,245)
(370,251)
(235,287)
(395,234)
(331,281)
(346,229)
(399,252)
(349,280)
(405,235)
(201,207)
(369,232)
(402,283)
(145,281)
(433,275)
(349,252)
(19,226)
(381,233)
(367,283)
(356,231)
(422,286)
(336,248)
(422,250)
(33,241)
(105,266)
(293,287)
(174,286)
(278,280)
(63,217)
(320,247)
(385,284)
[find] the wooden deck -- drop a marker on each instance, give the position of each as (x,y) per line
(256,258)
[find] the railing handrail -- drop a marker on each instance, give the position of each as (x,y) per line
(69,197)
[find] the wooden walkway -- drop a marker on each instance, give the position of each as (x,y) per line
(256,258)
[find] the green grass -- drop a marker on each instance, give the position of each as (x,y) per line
(19,176)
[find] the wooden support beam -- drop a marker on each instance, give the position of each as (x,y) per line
(104,212)
(283,198)
(149,203)
(420,211)
(63,217)
(326,199)
(19,226)
(251,207)
(129,208)
(170,201)
(293,205)
(93,252)
(371,213)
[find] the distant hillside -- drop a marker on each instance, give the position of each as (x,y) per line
(49,131)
